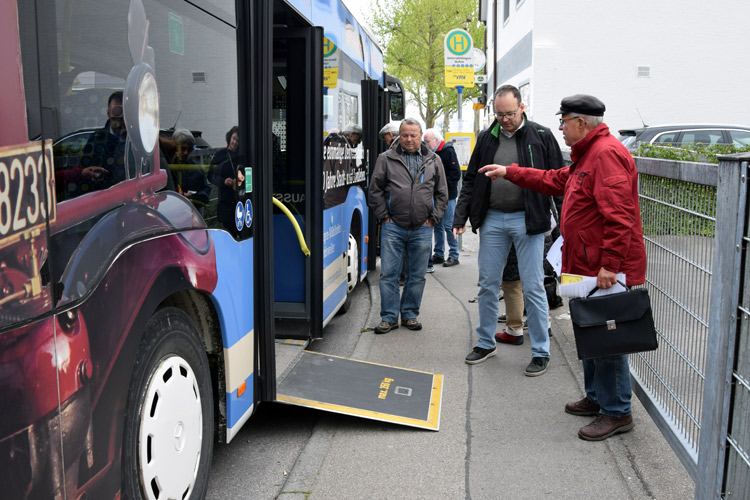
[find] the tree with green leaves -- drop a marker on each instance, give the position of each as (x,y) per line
(412,33)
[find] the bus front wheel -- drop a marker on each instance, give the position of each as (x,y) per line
(168,430)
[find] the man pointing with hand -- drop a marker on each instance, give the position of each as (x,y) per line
(602,236)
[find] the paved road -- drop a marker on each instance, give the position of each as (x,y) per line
(502,435)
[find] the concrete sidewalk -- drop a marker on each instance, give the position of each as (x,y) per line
(502,435)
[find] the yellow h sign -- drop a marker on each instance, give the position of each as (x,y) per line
(459,64)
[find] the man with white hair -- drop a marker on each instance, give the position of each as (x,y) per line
(602,236)
(388,133)
(447,154)
(190,179)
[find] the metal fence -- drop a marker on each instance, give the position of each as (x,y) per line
(695,386)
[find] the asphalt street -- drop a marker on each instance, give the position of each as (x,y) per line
(502,435)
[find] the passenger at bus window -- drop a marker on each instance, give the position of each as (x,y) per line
(227,174)
(102,163)
(167,151)
(408,195)
(388,133)
(189,177)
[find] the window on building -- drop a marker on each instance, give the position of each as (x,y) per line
(525,91)
(506,10)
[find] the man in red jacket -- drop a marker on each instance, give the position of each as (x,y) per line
(601,227)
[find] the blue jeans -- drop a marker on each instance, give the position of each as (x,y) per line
(394,241)
(607,382)
(445,230)
(498,231)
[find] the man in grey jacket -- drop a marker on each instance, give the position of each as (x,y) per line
(408,195)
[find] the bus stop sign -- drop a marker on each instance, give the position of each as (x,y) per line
(459,62)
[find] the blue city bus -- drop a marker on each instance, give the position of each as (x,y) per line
(182,211)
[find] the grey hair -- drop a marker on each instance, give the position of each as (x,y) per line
(594,121)
(435,133)
(183,135)
(410,121)
(353,128)
(389,127)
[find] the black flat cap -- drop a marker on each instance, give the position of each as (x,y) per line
(583,104)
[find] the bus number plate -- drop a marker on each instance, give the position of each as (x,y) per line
(27,190)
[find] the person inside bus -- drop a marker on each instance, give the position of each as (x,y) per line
(103,160)
(189,177)
(226,174)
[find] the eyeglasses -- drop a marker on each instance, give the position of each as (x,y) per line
(501,116)
(563,120)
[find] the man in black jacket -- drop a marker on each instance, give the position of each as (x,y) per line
(444,229)
(508,215)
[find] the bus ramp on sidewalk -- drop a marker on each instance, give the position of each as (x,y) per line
(364,389)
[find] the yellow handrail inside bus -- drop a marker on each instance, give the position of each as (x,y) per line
(300,237)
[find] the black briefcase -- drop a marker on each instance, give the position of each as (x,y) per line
(619,323)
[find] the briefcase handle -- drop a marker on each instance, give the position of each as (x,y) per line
(593,291)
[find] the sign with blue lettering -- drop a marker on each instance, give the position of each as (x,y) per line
(248,213)
(239,215)
(459,63)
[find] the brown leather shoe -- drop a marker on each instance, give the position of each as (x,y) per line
(605,426)
(583,408)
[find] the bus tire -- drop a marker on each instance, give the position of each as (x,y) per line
(352,270)
(169,417)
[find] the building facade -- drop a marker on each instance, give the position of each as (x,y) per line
(652,62)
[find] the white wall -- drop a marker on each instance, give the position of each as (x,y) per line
(696,50)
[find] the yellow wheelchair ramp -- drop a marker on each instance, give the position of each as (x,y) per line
(363,389)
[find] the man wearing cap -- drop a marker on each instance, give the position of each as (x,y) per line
(601,227)
(507,215)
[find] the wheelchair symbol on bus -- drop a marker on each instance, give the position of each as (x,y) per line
(248,214)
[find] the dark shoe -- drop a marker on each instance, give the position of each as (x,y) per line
(437,260)
(450,262)
(507,338)
(537,366)
(412,324)
(385,327)
(479,354)
(430,269)
(583,408)
(605,426)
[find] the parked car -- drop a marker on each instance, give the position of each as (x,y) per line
(680,135)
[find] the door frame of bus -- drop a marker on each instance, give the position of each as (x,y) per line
(255,63)
(372,117)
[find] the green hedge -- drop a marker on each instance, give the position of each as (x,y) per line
(691,152)
(662,218)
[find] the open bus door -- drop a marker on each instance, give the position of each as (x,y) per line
(306,378)
(297,144)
